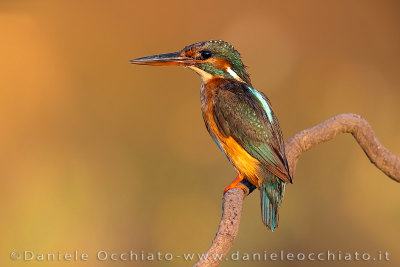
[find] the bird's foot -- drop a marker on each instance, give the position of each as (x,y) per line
(236,184)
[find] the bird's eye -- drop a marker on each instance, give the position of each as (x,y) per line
(206,54)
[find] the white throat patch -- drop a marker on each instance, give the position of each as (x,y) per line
(205,76)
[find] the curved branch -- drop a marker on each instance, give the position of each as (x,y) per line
(301,142)
(380,156)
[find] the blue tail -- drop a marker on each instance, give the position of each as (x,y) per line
(271,193)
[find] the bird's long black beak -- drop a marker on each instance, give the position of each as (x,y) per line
(170,59)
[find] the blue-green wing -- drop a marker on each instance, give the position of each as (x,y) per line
(246,116)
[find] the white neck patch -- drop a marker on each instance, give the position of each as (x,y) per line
(233,74)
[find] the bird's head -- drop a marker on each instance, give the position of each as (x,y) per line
(210,59)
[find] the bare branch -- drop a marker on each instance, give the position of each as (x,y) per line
(380,156)
(228,228)
(301,142)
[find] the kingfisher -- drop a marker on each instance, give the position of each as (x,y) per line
(239,119)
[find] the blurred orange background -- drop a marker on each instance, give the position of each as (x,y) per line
(97,154)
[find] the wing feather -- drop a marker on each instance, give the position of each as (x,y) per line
(242,116)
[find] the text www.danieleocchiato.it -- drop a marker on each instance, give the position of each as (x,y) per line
(142,256)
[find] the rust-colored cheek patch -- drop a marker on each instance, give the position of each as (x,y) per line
(221,64)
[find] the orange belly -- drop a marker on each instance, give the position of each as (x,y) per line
(242,160)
